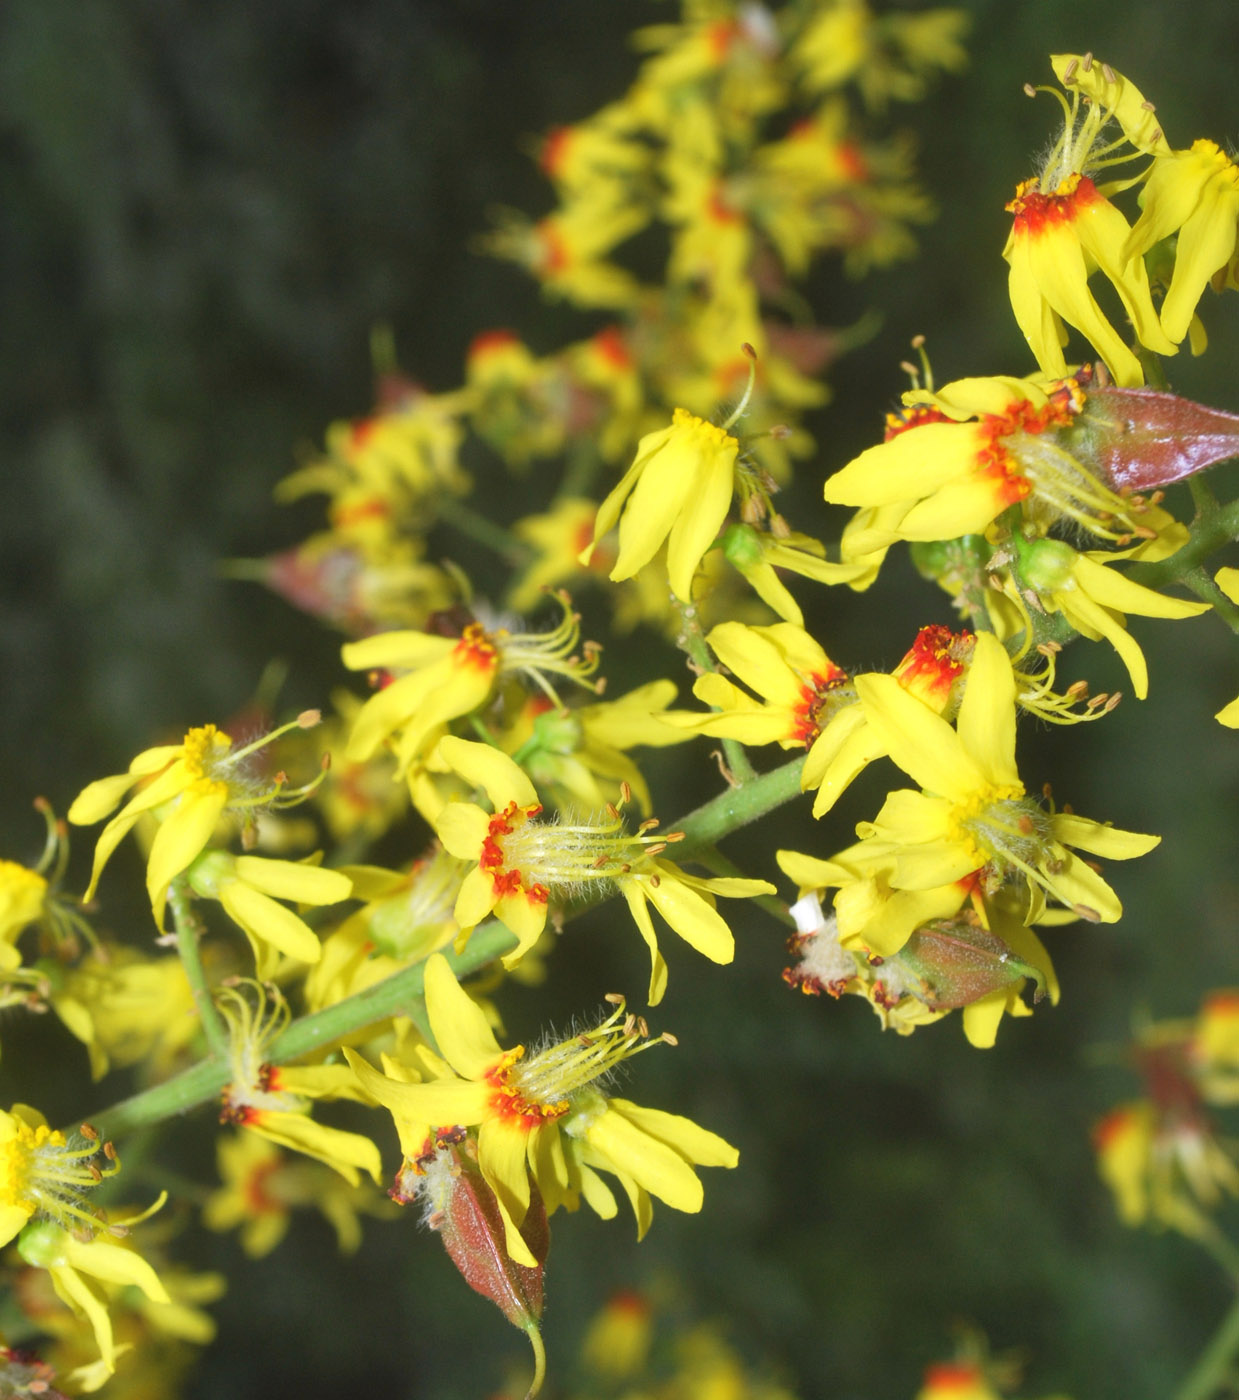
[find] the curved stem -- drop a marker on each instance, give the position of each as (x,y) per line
(475,526)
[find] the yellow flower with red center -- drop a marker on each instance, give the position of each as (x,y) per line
(543,1116)
(521,863)
(42,1174)
(801,688)
(931,670)
(1064,227)
(960,456)
(273,1100)
(453,676)
(187,787)
(678,490)
(971,827)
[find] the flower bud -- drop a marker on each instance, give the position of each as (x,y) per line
(1142,438)
(472,1229)
(959,962)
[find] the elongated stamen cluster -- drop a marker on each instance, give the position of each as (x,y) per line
(567,856)
(543,1085)
(208,756)
(538,654)
(1035,689)
(41,1173)
(255,1014)
(1079,149)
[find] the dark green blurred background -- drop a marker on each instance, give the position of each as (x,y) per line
(203,212)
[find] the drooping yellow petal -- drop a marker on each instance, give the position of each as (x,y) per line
(270,922)
(465,1039)
(294,880)
(650,1163)
(987,714)
(922,743)
(182,837)
(490,769)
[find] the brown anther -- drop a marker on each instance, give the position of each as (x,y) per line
(1156,137)
(657,849)
(95,1174)
(1096,701)
(586,1040)
(325,762)
(1113,700)
(668,1039)
(1148,106)
(643,1028)
(613,811)
(647,825)
(1070,71)
(109,1151)
(1094,866)
(41,804)
(909,368)
(752,510)
(1144,532)
(1067,809)
(1049,648)
(917,341)
(779,527)
(1077,690)
(1157,498)
(307,719)
(670,837)
(1047,791)
(89,1132)
(434,1220)
(249,836)
(625,869)
(1087,62)
(625,794)
(614,998)
(1107,72)
(600,862)
(1123,541)
(1029,91)
(747,350)
(1091,915)
(630,1024)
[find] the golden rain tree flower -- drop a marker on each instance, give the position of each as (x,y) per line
(1065,227)
(273,1101)
(957,458)
(187,788)
(45,1175)
(759,555)
(543,1115)
(1091,594)
(522,862)
(448,677)
(971,827)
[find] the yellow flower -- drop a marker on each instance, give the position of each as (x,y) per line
(187,787)
(273,1101)
(249,888)
(544,1116)
(972,823)
(954,460)
(759,556)
(262,1186)
(678,489)
(1065,227)
(1091,595)
(125,1008)
(521,862)
(41,1174)
(453,676)
(1196,193)
(71,1261)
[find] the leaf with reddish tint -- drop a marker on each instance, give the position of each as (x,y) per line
(1143,438)
(960,962)
(473,1234)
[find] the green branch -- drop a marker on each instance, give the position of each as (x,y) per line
(1212,1371)
(691,640)
(189,932)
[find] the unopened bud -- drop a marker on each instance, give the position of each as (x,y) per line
(1141,438)
(960,962)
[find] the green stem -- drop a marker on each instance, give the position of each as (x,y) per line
(738,806)
(1214,527)
(691,640)
(1212,1370)
(476,526)
(394,995)
(581,469)
(189,931)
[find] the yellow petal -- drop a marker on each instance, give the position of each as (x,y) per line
(262,918)
(922,743)
(465,1039)
(651,1164)
(181,838)
(490,769)
(699,925)
(290,879)
(987,714)
(684,1136)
